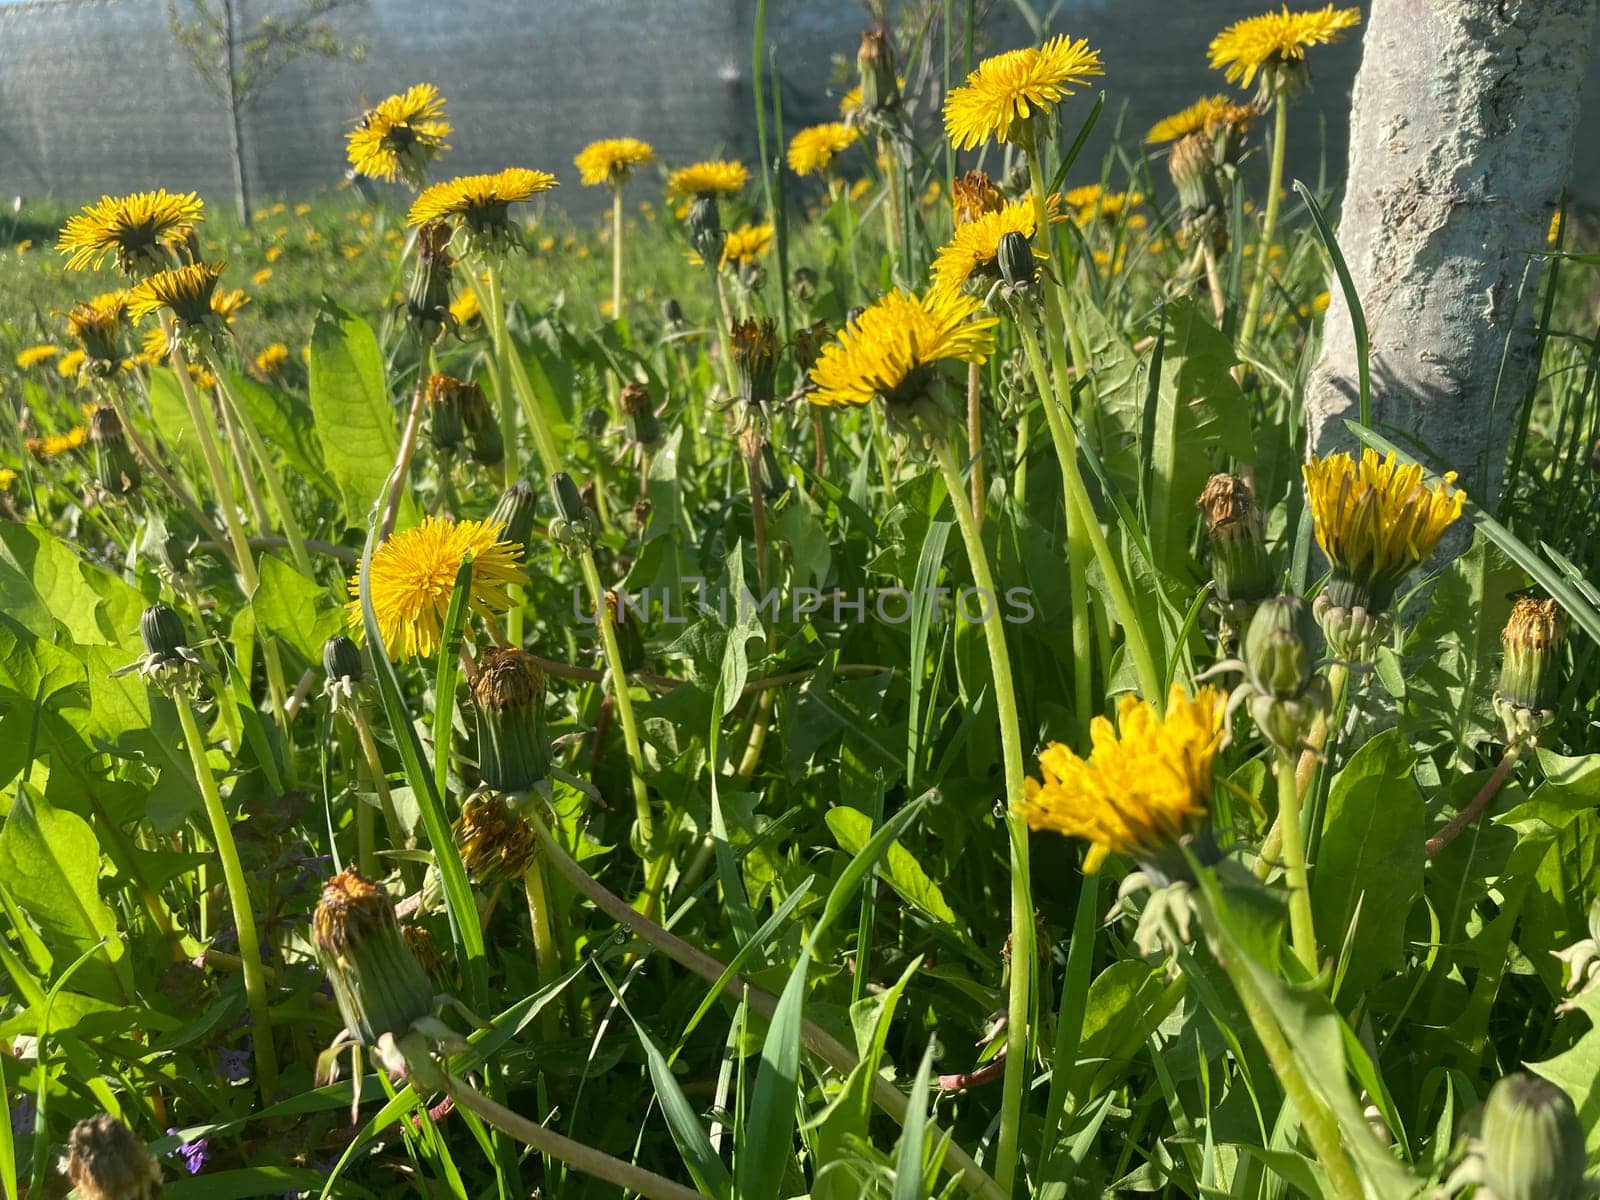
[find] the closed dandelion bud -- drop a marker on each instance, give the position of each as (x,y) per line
(804,285)
(106,1162)
(428,297)
(162,632)
(594,422)
(419,939)
(483,428)
(755,359)
(98,325)
(341,660)
(495,843)
(378,983)
(640,413)
(569,503)
(1531,645)
(880,89)
(1237,535)
(1017,266)
(752,275)
(706,234)
(114,464)
(513,743)
(446,428)
(1532,1141)
(1278,647)
(513,513)
(672,314)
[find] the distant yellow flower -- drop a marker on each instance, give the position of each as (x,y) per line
(464,308)
(480,202)
(187,291)
(23,247)
(69,364)
(1094,203)
(302,210)
(746,244)
(7,478)
(612,161)
(139,229)
(1375,521)
(273,253)
(1009,88)
(271,360)
(975,247)
(1203,116)
(226,304)
(414,574)
(708,179)
(34,355)
(813,150)
(153,347)
(850,102)
(1143,788)
(352,252)
(261,276)
(56,444)
(889,349)
(1275,40)
(1319,302)
(400,136)
(1553,233)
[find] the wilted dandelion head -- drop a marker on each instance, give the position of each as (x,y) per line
(138,229)
(187,291)
(1272,42)
(1008,89)
(890,348)
(712,178)
(973,251)
(813,150)
(414,573)
(400,136)
(1145,785)
(1376,521)
(974,194)
(612,161)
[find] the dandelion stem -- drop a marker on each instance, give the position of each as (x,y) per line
(545,956)
(975,442)
(1269,225)
(154,465)
(408,446)
(1302,929)
(243,561)
(1469,814)
(233,876)
(508,361)
(1019,1005)
(725,332)
(616,253)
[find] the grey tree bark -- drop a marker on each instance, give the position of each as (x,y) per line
(1463,129)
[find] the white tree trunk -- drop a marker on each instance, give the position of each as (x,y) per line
(1464,125)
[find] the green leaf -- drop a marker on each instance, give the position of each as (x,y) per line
(355,419)
(908,1180)
(767,1146)
(900,869)
(287,424)
(294,609)
(1126,1002)
(1576,1071)
(1369,867)
(746,627)
(43,581)
(51,863)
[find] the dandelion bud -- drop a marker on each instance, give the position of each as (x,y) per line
(446,430)
(1532,1141)
(808,343)
(804,285)
(513,743)
(752,275)
(706,234)
(755,358)
(569,504)
(114,464)
(98,325)
(640,413)
(513,512)
(378,983)
(496,844)
(594,422)
(1017,266)
(106,1162)
(162,631)
(880,88)
(483,429)
(1277,647)
(1238,540)
(341,659)
(1017,181)
(428,298)
(1531,646)
(672,314)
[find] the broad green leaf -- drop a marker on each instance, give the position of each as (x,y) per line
(767,1146)
(1576,1071)
(744,626)
(900,869)
(1369,867)
(294,609)
(286,422)
(43,581)
(356,423)
(1126,1002)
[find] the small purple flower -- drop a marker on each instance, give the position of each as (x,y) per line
(24,1116)
(193,1154)
(234,1064)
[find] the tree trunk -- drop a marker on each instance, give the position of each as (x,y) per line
(1462,132)
(230,96)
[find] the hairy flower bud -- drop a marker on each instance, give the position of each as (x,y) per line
(808,343)
(1531,645)
(496,844)
(428,296)
(106,1162)
(639,411)
(513,512)
(446,429)
(706,234)
(376,979)
(115,467)
(755,358)
(803,283)
(341,659)
(1285,694)
(161,629)
(880,87)
(1237,535)
(672,314)
(1017,265)
(1532,1141)
(513,743)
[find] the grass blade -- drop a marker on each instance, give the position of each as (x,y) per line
(908,1179)
(1358,320)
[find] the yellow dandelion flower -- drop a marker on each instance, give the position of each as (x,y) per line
(271,360)
(70,363)
(1008,89)
(708,179)
(887,350)
(7,478)
(226,304)
(273,253)
(1319,302)
(187,291)
(1553,233)
(464,308)
(1203,116)
(1375,521)
(203,378)
(400,136)
(1145,786)
(480,202)
(813,150)
(23,246)
(414,574)
(97,325)
(746,244)
(302,210)
(1095,203)
(974,249)
(1275,40)
(352,252)
(137,229)
(60,443)
(850,102)
(261,276)
(153,347)
(612,161)
(34,355)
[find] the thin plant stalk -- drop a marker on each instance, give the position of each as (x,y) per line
(255,987)
(1305,769)
(508,363)
(243,560)
(1269,224)
(1486,793)
(151,463)
(975,443)
(545,955)
(241,463)
(1020,996)
(723,333)
(1302,929)
(408,447)
(616,252)
(380,781)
